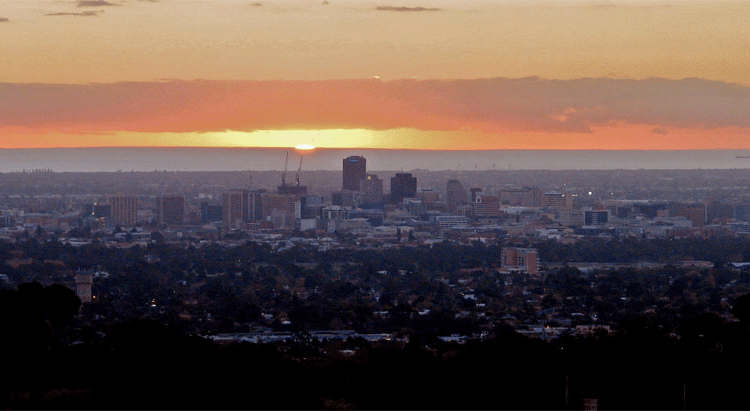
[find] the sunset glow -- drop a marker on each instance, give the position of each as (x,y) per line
(477,75)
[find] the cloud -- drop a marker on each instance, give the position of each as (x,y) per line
(83,13)
(95,3)
(659,130)
(407,9)
(4,20)
(490,105)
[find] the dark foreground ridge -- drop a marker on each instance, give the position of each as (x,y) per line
(143,364)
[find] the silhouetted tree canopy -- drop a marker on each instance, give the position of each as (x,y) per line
(741,309)
(29,317)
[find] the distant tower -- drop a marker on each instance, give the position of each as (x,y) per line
(124,209)
(170,209)
(234,207)
(287,204)
(372,189)
(556,199)
(696,215)
(403,185)
(210,212)
(83,286)
(354,170)
(456,194)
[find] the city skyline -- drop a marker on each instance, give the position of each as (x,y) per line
(482,75)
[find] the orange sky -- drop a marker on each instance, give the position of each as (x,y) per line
(552,74)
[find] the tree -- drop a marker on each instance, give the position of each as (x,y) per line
(28,337)
(741,309)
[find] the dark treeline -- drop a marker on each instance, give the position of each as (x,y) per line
(143,364)
(632,249)
(342,288)
(445,256)
(679,340)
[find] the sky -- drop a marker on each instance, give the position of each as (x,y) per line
(416,74)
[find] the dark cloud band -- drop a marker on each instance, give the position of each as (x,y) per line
(526,105)
(95,3)
(83,13)
(405,9)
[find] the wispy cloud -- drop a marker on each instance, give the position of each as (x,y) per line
(83,13)
(4,20)
(95,3)
(490,105)
(407,9)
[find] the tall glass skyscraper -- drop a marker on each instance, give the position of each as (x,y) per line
(355,169)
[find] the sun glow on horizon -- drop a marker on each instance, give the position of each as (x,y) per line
(619,136)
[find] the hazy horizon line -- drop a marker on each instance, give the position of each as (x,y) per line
(273,158)
(368,148)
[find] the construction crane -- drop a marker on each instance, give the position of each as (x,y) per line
(298,171)
(295,189)
(282,189)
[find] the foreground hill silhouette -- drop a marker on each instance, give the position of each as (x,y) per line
(143,364)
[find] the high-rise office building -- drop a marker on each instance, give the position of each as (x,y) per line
(486,206)
(372,189)
(255,205)
(279,203)
(234,208)
(428,196)
(170,209)
(592,217)
(403,185)
(556,199)
(210,212)
(455,194)
(521,196)
(281,209)
(123,209)
(696,215)
(344,198)
(354,170)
